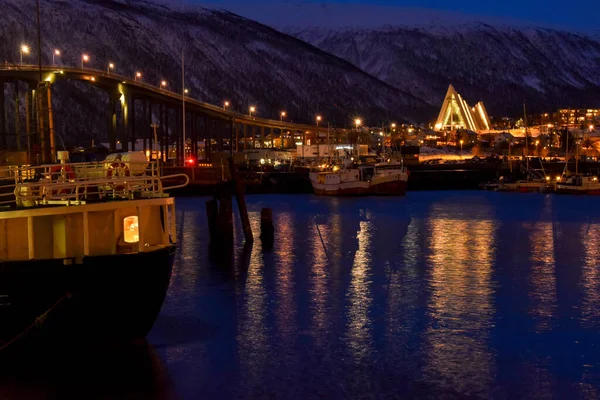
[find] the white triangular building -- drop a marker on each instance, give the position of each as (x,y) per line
(456,114)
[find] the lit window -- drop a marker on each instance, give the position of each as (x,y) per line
(131,230)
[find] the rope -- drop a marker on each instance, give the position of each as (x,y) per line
(322,242)
(36,322)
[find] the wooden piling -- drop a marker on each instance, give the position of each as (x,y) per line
(267,230)
(241,202)
(225,221)
(212,213)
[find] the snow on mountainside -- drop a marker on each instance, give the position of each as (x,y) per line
(503,66)
(226,57)
(502,61)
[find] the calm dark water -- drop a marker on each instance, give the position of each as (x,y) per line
(432,295)
(436,294)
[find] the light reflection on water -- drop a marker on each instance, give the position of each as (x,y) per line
(460,303)
(434,295)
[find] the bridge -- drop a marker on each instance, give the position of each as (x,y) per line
(216,128)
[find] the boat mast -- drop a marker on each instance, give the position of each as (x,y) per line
(183,105)
(526,142)
(576,152)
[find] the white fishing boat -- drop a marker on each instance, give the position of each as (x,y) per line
(579,184)
(370,179)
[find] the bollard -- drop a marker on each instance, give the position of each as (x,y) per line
(212,214)
(267,230)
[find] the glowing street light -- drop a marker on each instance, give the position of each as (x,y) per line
(24,50)
(84,58)
(186,91)
(357,123)
(281,115)
(251,110)
(56,53)
(138,75)
(110,66)
(225,105)
(163,84)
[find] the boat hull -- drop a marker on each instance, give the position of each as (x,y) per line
(103,300)
(572,190)
(395,187)
(388,185)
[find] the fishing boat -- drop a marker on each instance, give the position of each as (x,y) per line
(578,184)
(388,178)
(535,182)
(86,252)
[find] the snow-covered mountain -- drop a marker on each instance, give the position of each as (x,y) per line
(504,66)
(226,57)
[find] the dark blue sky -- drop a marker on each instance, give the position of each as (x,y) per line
(580,15)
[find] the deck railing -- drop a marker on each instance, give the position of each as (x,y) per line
(77,183)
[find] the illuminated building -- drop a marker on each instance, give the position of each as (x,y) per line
(457,114)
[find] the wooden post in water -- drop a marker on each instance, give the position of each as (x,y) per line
(225,220)
(267,230)
(212,213)
(241,202)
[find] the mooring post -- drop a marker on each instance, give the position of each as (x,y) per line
(267,230)
(212,214)
(225,227)
(241,202)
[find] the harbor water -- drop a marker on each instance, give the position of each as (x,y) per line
(454,294)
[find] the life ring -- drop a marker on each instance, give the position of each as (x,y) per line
(120,169)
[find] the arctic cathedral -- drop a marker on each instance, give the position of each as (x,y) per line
(457,114)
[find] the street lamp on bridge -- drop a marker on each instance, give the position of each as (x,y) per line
(357,123)
(55,54)
(110,66)
(186,91)
(225,105)
(163,84)
(84,58)
(281,129)
(252,109)
(24,50)
(138,75)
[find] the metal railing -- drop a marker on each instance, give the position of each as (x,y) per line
(78,183)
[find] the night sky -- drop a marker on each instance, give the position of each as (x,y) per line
(578,15)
